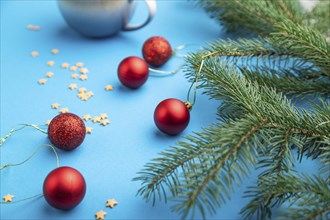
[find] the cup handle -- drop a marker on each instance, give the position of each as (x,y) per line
(152,11)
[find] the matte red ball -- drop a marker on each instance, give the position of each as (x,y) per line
(64,188)
(156,51)
(171,116)
(66,131)
(133,72)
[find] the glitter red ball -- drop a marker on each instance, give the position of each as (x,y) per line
(64,188)
(171,116)
(133,72)
(156,51)
(66,131)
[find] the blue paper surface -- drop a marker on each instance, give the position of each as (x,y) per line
(112,155)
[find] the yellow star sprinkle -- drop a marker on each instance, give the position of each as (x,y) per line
(96,119)
(73,68)
(65,65)
(83,96)
(50,63)
(90,94)
(83,77)
(103,116)
(34,53)
(73,86)
(64,110)
(79,64)
(55,51)
(108,87)
(100,215)
(36,28)
(86,117)
(33,27)
(83,70)
(8,198)
(104,122)
(55,105)
(49,74)
(82,90)
(111,203)
(30,27)
(89,130)
(47,122)
(42,81)
(74,76)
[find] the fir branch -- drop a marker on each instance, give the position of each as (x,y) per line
(308,197)
(249,16)
(226,152)
(256,125)
(303,42)
(291,82)
(318,18)
(278,157)
(215,176)
(280,67)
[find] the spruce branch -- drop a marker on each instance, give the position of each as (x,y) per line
(291,81)
(284,66)
(249,16)
(308,197)
(226,152)
(301,41)
(257,126)
(318,18)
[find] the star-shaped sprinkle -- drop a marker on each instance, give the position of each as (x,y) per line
(108,87)
(72,86)
(55,51)
(55,105)
(90,93)
(103,116)
(65,65)
(73,68)
(83,70)
(49,74)
(86,117)
(34,53)
(100,215)
(74,76)
(96,119)
(111,203)
(83,96)
(8,198)
(79,64)
(47,122)
(82,90)
(104,122)
(42,81)
(89,130)
(36,28)
(50,63)
(64,110)
(33,27)
(83,77)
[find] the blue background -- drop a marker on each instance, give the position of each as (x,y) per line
(111,156)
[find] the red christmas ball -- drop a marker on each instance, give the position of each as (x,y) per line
(156,51)
(66,131)
(171,116)
(64,188)
(133,72)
